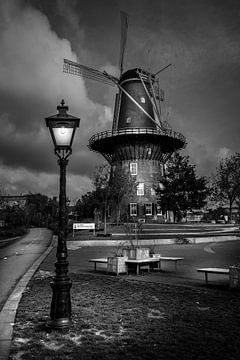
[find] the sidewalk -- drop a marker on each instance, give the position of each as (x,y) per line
(8,312)
(134,317)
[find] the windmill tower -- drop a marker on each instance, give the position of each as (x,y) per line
(138,140)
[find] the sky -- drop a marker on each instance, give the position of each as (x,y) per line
(200,38)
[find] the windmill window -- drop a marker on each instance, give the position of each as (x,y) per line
(148,209)
(133,168)
(163,169)
(140,189)
(129,120)
(149,151)
(133,209)
(161,186)
(143,100)
(153,192)
(159,210)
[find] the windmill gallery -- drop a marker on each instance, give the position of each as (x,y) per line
(140,142)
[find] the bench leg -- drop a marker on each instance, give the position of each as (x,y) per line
(138,269)
(206,277)
(95,266)
(159,265)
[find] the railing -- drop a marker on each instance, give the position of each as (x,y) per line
(136,131)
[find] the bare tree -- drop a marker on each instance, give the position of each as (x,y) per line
(121,185)
(2,195)
(101,182)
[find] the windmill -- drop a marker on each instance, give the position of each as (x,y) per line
(139,138)
(155,94)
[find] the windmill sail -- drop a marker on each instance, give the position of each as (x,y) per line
(124,28)
(74,68)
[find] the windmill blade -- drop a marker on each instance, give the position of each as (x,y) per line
(74,68)
(165,67)
(124,28)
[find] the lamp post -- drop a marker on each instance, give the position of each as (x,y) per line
(62,127)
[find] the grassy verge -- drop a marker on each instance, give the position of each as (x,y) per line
(116,318)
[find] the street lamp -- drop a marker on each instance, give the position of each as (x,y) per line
(62,127)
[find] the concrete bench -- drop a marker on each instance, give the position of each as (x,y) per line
(150,262)
(98,261)
(220,271)
(141,263)
(171,259)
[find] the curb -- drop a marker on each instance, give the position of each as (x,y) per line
(8,313)
(74,244)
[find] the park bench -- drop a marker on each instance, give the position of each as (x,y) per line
(220,271)
(98,261)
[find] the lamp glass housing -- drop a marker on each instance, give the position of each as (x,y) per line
(63,136)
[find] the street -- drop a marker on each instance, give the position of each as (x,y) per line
(17,256)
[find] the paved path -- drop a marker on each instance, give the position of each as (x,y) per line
(19,260)
(17,257)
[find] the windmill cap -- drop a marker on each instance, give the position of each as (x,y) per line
(134,74)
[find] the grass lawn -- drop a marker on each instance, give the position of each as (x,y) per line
(119,318)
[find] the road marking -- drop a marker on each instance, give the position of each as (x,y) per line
(208,249)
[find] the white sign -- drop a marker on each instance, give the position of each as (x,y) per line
(86,226)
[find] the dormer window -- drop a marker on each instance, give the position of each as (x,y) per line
(129,120)
(143,100)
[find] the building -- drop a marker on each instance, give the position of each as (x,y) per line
(13,200)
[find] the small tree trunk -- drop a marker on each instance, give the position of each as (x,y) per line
(105,220)
(105,214)
(118,214)
(230,211)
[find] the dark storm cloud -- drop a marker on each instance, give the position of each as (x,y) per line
(32,85)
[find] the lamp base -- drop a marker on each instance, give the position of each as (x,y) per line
(60,315)
(59,324)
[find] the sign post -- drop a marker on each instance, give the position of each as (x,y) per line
(84,226)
